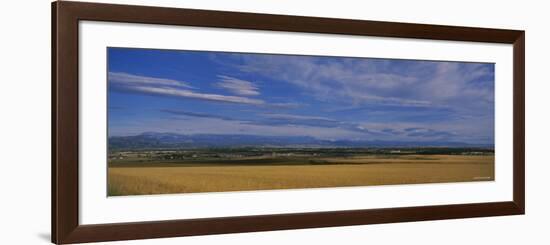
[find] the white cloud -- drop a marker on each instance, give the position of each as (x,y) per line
(129,80)
(238,86)
(379,81)
(170,87)
(295,117)
(194,95)
(461,93)
(350,81)
(220,126)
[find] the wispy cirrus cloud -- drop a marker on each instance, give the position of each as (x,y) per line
(284,105)
(391,131)
(271,119)
(415,83)
(127,79)
(170,87)
(307,122)
(297,117)
(195,95)
(275,119)
(324,122)
(287,119)
(452,93)
(237,86)
(345,80)
(428,133)
(197,114)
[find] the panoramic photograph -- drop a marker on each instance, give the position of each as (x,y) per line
(206,121)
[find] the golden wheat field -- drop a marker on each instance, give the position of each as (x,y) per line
(356,171)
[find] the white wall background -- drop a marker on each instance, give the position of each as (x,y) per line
(25,121)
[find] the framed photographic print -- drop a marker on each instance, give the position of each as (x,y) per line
(175,122)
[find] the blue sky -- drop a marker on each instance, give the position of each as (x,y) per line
(191,92)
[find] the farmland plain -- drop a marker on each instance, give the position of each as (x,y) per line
(164,173)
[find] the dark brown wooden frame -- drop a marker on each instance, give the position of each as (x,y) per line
(65,223)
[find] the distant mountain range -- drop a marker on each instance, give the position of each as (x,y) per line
(152,140)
